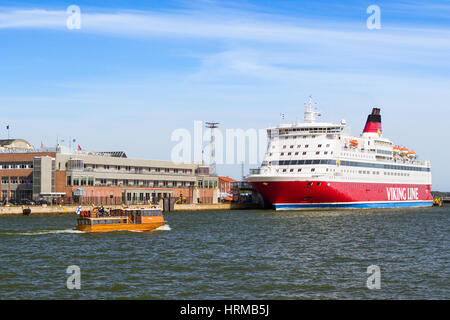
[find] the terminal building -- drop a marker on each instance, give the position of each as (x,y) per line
(63,175)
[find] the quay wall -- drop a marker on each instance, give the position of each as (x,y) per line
(57,210)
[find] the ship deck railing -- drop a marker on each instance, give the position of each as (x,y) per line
(103,220)
(400,160)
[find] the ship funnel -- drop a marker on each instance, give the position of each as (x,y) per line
(373,123)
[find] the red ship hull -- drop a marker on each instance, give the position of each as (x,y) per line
(294,195)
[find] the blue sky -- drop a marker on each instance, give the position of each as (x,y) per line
(137,70)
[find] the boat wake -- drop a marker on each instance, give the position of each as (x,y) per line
(43,232)
(165,227)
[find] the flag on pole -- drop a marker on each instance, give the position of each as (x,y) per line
(42,145)
(7,127)
(79,148)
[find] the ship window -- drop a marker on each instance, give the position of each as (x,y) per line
(318,152)
(296,153)
(282,153)
(292,147)
(284,147)
(313,169)
(292,170)
(318,183)
(304,153)
(319,146)
(289,153)
(306,145)
(298,170)
(284,170)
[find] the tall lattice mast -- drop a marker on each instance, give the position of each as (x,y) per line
(212,126)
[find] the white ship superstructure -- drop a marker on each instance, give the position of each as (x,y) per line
(355,171)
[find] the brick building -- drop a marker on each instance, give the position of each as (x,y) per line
(225,184)
(66,176)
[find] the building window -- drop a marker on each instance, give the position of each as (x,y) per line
(69,181)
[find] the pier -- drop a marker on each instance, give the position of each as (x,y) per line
(59,210)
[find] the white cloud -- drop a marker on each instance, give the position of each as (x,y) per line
(233,25)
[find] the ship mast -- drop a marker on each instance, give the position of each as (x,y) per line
(309,111)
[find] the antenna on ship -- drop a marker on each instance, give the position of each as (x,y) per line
(309,111)
(212,126)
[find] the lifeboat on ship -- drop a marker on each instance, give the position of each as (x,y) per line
(411,154)
(396,150)
(403,151)
(353,143)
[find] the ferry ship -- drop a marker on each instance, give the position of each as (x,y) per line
(319,165)
(131,219)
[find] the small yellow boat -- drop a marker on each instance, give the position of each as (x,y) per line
(131,219)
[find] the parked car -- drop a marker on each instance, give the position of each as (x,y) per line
(42,202)
(27,202)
